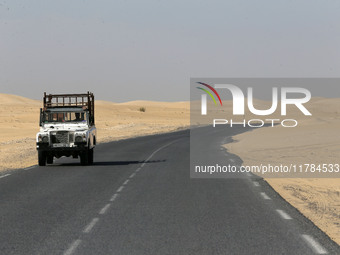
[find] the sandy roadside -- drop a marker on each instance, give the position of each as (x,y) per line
(19,123)
(315,140)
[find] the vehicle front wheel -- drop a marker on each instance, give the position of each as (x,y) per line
(90,156)
(84,158)
(49,159)
(42,158)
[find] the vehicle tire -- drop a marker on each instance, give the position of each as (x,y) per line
(90,156)
(84,158)
(49,159)
(42,158)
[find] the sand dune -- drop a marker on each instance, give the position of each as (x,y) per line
(19,123)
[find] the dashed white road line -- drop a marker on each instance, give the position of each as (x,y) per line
(284,215)
(249,174)
(120,189)
(89,227)
(265,196)
(94,221)
(113,197)
(256,184)
(104,209)
(314,245)
(231,160)
(159,150)
(73,247)
(152,154)
(5,175)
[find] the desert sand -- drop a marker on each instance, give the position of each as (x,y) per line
(315,140)
(19,123)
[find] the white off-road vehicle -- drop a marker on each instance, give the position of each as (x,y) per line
(67,128)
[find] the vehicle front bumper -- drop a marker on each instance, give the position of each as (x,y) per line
(47,147)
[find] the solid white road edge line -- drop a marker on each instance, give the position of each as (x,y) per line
(314,245)
(5,175)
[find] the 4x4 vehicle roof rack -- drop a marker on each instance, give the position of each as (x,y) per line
(85,101)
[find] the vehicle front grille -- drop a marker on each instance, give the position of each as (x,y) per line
(60,137)
(71,137)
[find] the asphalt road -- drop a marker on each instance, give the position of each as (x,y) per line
(138,198)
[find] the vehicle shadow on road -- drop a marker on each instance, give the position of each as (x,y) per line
(110,163)
(115,163)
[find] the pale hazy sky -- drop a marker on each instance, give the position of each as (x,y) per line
(127,50)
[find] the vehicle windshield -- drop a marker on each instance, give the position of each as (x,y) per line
(64,117)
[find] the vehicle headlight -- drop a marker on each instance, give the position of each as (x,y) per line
(43,138)
(78,139)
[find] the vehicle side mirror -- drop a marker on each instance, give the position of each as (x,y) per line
(41,117)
